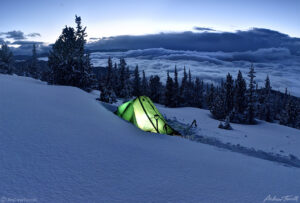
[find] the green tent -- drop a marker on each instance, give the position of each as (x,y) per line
(142,113)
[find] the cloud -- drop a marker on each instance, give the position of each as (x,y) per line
(25,47)
(239,41)
(279,63)
(18,35)
(15,35)
(203,29)
(94,38)
(26,42)
(34,34)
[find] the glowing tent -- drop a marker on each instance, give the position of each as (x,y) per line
(142,113)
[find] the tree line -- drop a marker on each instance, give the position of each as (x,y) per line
(232,99)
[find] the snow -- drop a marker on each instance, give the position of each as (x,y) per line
(43,58)
(58,144)
(268,137)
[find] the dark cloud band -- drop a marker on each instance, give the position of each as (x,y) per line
(239,41)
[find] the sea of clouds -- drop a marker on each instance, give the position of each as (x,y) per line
(282,67)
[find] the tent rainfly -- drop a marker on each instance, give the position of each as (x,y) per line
(143,114)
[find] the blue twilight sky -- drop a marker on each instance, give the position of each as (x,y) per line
(136,17)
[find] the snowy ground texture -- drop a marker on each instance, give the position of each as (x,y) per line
(58,144)
(267,137)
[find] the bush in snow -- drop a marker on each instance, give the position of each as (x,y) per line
(108,95)
(226,125)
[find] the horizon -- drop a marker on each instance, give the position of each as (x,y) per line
(34,20)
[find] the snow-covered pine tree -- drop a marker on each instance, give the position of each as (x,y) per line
(136,82)
(68,63)
(6,60)
(250,113)
(169,92)
(218,106)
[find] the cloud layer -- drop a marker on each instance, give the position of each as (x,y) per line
(279,63)
(208,53)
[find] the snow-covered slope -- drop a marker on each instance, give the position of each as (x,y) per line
(58,144)
(268,137)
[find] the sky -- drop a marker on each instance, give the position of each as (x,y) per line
(137,17)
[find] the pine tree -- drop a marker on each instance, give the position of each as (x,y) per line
(121,78)
(136,82)
(6,60)
(268,104)
(68,63)
(115,78)
(292,112)
(250,115)
(155,87)
(210,94)
(33,66)
(218,106)
(229,94)
(109,73)
(169,93)
(126,88)
(183,88)
(198,97)
(189,90)
(108,94)
(268,85)
(145,86)
(176,88)
(240,91)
